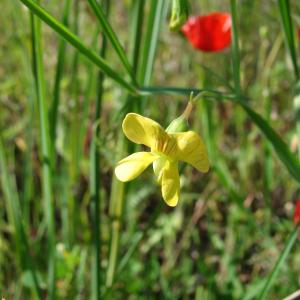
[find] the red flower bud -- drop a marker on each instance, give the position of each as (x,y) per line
(209,33)
(297,212)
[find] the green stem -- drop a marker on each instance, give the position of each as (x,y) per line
(235,49)
(284,253)
(95,179)
(57,81)
(156,14)
(15,218)
(285,13)
(135,242)
(118,188)
(169,90)
(45,150)
(116,209)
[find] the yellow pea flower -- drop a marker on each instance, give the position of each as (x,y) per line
(166,150)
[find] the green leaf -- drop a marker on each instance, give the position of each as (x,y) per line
(110,34)
(77,43)
(285,155)
(283,255)
(235,49)
(58,77)
(285,14)
(47,191)
(11,198)
(155,17)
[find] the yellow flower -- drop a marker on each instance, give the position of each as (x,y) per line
(166,150)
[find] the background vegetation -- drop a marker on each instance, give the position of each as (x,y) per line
(69,229)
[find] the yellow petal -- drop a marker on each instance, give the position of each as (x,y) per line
(170,185)
(192,150)
(158,168)
(142,130)
(133,165)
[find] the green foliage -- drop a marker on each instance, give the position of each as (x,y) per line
(69,229)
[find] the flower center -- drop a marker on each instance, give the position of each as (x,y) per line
(166,148)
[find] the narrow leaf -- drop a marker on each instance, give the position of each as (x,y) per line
(110,34)
(77,43)
(280,147)
(285,14)
(283,255)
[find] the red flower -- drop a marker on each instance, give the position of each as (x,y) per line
(297,212)
(209,33)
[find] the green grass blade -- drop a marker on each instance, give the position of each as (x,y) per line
(155,17)
(283,255)
(95,181)
(226,179)
(137,18)
(282,150)
(80,274)
(286,20)
(58,76)
(15,218)
(28,189)
(235,49)
(45,149)
(77,43)
(115,211)
(285,14)
(135,242)
(12,205)
(88,94)
(110,34)
(118,188)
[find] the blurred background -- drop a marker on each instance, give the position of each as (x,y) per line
(231,224)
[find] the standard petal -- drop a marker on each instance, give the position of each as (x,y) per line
(133,165)
(170,184)
(142,130)
(192,150)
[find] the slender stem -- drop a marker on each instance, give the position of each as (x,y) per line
(118,188)
(137,26)
(28,186)
(285,13)
(156,14)
(169,90)
(15,218)
(116,208)
(135,242)
(95,179)
(284,253)
(235,49)
(57,81)
(45,150)
(76,42)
